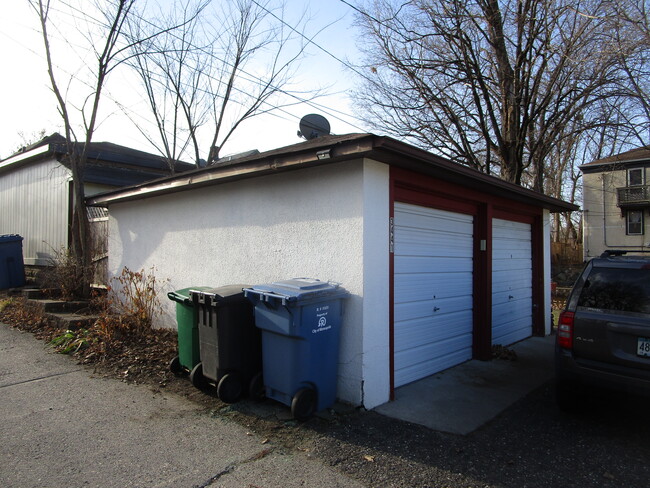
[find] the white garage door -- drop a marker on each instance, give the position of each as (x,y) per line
(512,274)
(433,291)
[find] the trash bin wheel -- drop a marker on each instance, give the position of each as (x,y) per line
(229,388)
(197,378)
(175,365)
(256,390)
(303,404)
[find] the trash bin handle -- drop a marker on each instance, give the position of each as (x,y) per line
(265,295)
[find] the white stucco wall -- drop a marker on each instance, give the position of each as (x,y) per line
(376,278)
(305,223)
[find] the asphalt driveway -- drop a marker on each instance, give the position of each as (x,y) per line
(62,427)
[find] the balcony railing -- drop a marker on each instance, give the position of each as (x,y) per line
(634,196)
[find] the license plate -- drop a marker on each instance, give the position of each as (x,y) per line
(643,347)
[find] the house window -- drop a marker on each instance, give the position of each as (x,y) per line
(635,177)
(634,223)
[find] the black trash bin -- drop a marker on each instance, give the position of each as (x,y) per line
(230,344)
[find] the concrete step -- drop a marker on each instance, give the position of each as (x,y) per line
(31,293)
(47,305)
(72,321)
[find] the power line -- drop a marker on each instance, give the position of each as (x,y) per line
(252,78)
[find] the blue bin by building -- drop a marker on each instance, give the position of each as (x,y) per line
(12,268)
(301,323)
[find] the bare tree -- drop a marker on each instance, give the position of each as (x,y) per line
(494,84)
(106,41)
(230,64)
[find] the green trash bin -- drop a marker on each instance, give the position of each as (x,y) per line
(189,354)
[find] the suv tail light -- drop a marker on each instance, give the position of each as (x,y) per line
(565,330)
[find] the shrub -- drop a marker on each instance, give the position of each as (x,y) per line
(130,304)
(65,275)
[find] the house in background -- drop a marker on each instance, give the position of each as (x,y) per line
(36,193)
(616,207)
(441,261)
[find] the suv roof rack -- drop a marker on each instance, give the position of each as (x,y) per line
(608,253)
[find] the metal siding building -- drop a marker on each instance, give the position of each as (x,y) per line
(36,189)
(34,202)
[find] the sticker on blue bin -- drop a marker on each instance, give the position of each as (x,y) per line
(321,315)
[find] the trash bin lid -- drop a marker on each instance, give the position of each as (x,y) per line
(10,238)
(220,293)
(299,289)
(183,295)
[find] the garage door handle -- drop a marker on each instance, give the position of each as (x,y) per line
(435,309)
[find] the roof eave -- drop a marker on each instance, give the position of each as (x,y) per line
(227,173)
(383,149)
(424,162)
(27,156)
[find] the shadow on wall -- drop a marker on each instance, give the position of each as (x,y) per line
(262,229)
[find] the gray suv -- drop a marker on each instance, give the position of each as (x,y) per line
(603,336)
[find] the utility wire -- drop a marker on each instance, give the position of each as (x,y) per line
(250,77)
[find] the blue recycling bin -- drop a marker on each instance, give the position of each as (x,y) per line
(12,267)
(300,320)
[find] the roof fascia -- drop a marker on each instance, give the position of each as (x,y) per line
(611,165)
(273,164)
(383,149)
(422,161)
(27,156)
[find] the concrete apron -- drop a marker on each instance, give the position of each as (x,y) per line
(459,400)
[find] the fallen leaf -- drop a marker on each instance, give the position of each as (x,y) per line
(369,458)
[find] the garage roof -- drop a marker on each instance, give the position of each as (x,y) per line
(107,164)
(327,150)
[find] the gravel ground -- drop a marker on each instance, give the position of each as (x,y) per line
(532,444)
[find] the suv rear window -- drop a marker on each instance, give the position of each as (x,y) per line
(618,289)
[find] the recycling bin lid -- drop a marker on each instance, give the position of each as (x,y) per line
(299,289)
(10,238)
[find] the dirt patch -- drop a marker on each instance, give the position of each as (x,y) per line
(140,357)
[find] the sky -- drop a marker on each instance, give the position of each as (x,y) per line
(28,105)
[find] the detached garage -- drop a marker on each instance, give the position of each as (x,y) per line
(442,261)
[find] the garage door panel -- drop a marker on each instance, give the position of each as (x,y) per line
(521,254)
(432,258)
(419,242)
(521,283)
(438,361)
(509,228)
(432,220)
(443,264)
(511,281)
(416,332)
(506,310)
(411,287)
(431,308)
(512,265)
(513,332)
